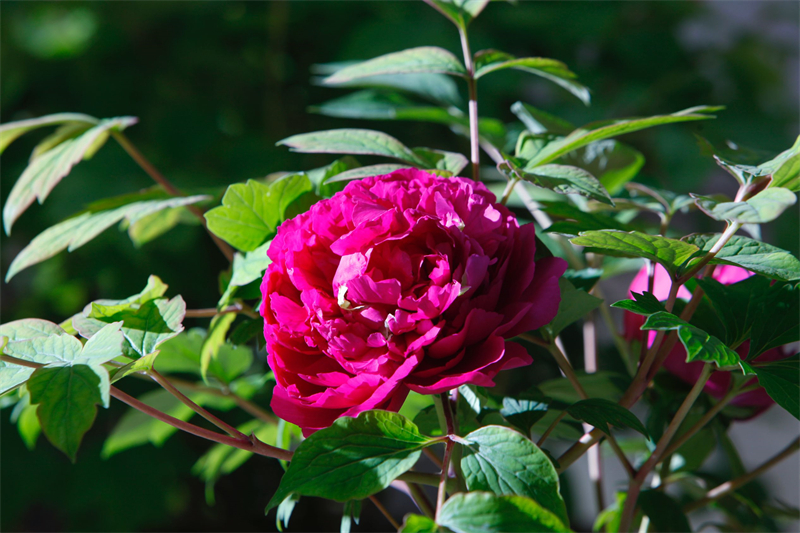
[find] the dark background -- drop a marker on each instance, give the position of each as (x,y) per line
(216,84)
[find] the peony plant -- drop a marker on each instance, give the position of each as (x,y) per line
(370,314)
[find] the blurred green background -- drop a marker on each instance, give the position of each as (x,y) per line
(216,84)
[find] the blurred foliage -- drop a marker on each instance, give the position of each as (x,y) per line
(215,85)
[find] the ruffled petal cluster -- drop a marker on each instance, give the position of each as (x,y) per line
(407,281)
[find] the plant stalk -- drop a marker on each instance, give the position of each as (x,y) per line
(250,444)
(730,486)
(472,86)
(230,430)
(636,483)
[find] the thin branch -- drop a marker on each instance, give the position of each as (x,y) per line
(448,451)
(251,444)
(230,430)
(550,428)
(705,419)
(419,497)
(209,312)
(636,483)
(385,512)
(472,86)
(730,486)
(159,178)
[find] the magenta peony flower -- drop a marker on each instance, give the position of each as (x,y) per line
(675,363)
(407,281)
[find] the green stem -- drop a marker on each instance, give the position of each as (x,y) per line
(250,444)
(472,86)
(636,483)
(385,512)
(419,497)
(550,428)
(730,486)
(449,430)
(230,430)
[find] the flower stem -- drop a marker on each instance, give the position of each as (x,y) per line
(159,178)
(636,483)
(449,430)
(230,430)
(385,512)
(730,486)
(472,86)
(550,428)
(419,497)
(250,444)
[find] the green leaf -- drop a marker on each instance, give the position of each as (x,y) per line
(610,161)
(352,141)
(182,354)
(156,224)
(503,461)
(565,179)
(740,304)
(12,130)
(603,130)
(524,412)
(354,458)
(538,121)
(363,172)
(416,523)
(574,305)
(373,105)
(664,512)
(785,168)
(781,380)
(599,412)
(351,513)
(603,384)
(700,346)
(643,304)
(441,160)
(145,326)
(46,170)
(214,341)
(67,131)
(28,425)
(12,376)
(777,320)
(484,512)
(424,59)
(764,207)
(67,398)
(438,88)
(29,328)
(670,253)
(250,212)
(74,232)
(578,220)
(460,12)
(246,268)
(751,254)
(487,61)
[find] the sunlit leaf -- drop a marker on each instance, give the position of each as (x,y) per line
(424,59)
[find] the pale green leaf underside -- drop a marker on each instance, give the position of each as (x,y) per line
(352,141)
(12,130)
(46,171)
(74,232)
(424,59)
